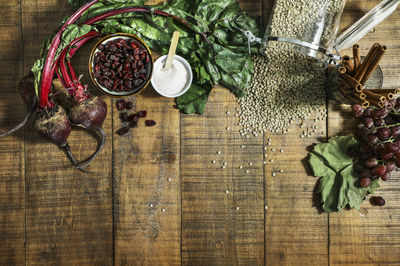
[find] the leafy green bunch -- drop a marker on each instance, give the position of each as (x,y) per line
(212,40)
(339,184)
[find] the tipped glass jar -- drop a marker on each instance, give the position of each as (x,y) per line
(308,27)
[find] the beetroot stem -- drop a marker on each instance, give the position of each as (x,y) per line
(48,72)
(69,79)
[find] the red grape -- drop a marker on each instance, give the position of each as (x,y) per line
(373,139)
(390,166)
(369,112)
(384,133)
(370,163)
(365,182)
(356,108)
(381,170)
(378,201)
(385,177)
(395,132)
(368,122)
(382,113)
(386,156)
(379,122)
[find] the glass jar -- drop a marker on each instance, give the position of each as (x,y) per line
(305,26)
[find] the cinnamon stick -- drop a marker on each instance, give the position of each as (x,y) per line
(352,82)
(365,104)
(342,70)
(348,64)
(367,62)
(374,96)
(350,96)
(356,57)
(383,91)
(374,64)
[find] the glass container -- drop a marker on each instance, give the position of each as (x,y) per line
(307,27)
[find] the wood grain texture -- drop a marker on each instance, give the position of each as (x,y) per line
(68,213)
(370,236)
(12,184)
(295,232)
(222,209)
(131,213)
(12,148)
(147,186)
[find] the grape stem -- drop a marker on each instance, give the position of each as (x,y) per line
(388,126)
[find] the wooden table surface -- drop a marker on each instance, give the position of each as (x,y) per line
(156,198)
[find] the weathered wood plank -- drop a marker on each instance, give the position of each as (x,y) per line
(147,185)
(371,235)
(295,232)
(222,209)
(68,213)
(12,148)
(12,183)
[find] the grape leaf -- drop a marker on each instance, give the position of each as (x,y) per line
(339,183)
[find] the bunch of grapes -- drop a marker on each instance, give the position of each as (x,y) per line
(379,137)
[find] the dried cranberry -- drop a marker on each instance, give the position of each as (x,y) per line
(142,113)
(121,105)
(123,131)
(133,124)
(133,118)
(150,123)
(123,116)
(128,105)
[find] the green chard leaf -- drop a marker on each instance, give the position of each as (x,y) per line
(195,100)
(339,183)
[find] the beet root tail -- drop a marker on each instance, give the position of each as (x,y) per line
(20,125)
(102,140)
(71,157)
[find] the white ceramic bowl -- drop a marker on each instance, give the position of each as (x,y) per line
(162,60)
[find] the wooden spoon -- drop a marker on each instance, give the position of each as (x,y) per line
(172,50)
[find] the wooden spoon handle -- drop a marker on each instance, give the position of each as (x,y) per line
(172,50)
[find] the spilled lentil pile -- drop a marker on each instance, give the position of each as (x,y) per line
(282,90)
(286,85)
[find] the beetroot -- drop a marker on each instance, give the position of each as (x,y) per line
(52,124)
(28,95)
(90,115)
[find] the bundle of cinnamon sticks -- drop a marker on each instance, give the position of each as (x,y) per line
(355,75)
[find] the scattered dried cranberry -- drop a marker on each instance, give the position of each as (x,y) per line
(128,105)
(142,113)
(133,118)
(121,105)
(133,124)
(123,131)
(123,116)
(150,123)
(378,201)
